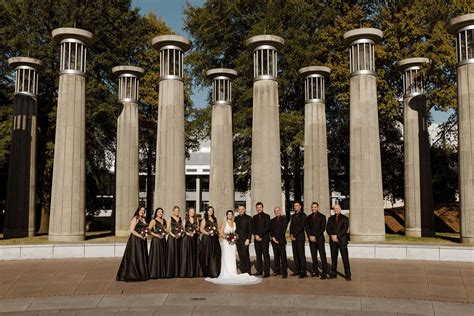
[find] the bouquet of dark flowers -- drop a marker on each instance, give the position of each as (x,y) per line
(192,229)
(144,232)
(212,230)
(178,231)
(231,238)
(160,231)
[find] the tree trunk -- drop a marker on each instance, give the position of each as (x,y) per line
(45,201)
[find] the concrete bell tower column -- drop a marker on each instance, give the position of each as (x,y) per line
(266,166)
(463,27)
(126,169)
(316,172)
(170,184)
(419,215)
(68,194)
(367,222)
(21,186)
(221,182)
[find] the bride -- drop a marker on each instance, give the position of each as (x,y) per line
(228,273)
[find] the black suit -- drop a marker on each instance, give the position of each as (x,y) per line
(339,227)
(278,227)
(261,227)
(315,226)
(244,232)
(297,227)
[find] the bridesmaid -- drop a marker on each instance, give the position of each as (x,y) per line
(157,261)
(175,231)
(210,253)
(189,247)
(134,265)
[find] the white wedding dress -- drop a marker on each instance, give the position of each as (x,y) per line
(228,273)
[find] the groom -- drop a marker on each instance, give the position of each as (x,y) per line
(261,233)
(244,231)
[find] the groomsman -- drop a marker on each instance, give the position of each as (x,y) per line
(278,226)
(244,231)
(337,228)
(297,227)
(261,233)
(315,227)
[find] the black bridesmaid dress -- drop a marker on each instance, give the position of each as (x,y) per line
(173,263)
(189,251)
(210,253)
(158,248)
(134,265)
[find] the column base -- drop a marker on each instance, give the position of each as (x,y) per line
(31,232)
(467,240)
(66,238)
(122,232)
(419,233)
(367,237)
(15,233)
(413,232)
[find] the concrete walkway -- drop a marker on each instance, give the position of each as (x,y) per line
(229,304)
(378,286)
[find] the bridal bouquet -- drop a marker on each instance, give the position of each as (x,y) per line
(178,231)
(231,238)
(212,230)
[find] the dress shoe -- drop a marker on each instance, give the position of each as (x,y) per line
(348,278)
(323,277)
(332,276)
(266,275)
(295,274)
(258,274)
(275,273)
(284,276)
(314,274)
(302,276)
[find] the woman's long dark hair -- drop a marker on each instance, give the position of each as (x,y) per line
(206,214)
(156,212)
(137,212)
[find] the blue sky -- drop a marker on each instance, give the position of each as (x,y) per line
(171,11)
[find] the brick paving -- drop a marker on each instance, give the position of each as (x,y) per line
(38,283)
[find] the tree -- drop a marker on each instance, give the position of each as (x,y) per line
(313,32)
(122,36)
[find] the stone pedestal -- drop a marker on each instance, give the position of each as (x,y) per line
(221,182)
(266,166)
(170,184)
(126,168)
(419,213)
(20,208)
(316,172)
(462,27)
(367,221)
(68,205)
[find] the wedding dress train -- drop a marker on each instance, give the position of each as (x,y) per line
(228,274)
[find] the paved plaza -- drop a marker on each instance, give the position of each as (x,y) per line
(378,287)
